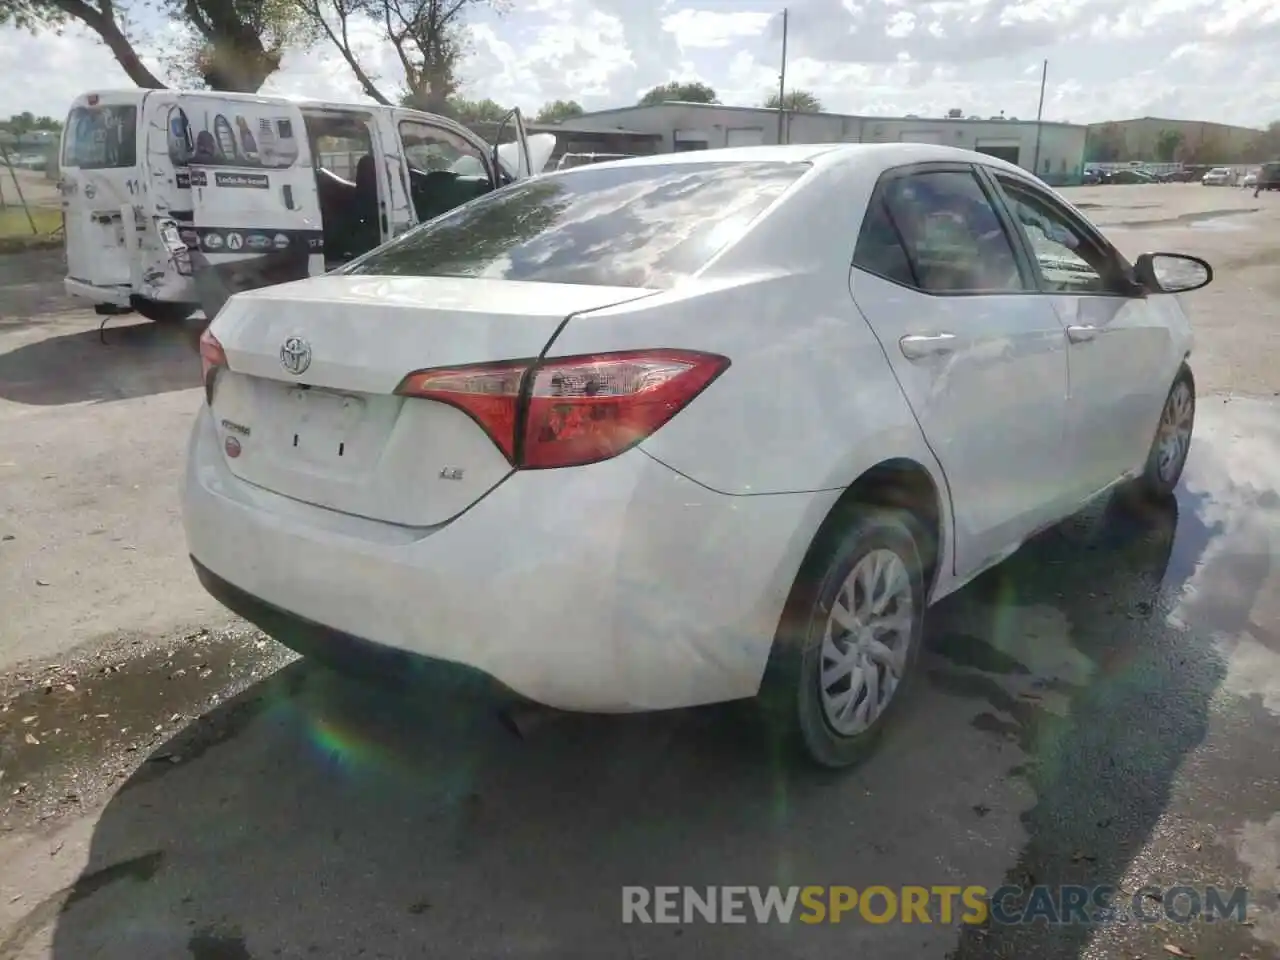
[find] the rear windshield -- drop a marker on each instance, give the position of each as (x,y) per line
(631,226)
(100,138)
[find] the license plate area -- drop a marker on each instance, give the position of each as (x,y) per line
(323,426)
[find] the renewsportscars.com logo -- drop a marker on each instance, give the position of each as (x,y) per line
(970,905)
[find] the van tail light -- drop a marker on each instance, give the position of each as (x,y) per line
(212,359)
(571,411)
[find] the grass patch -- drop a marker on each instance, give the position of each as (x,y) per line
(15,229)
(14,222)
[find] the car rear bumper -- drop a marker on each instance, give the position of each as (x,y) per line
(616,587)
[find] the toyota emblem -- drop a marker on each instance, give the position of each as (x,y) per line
(295,355)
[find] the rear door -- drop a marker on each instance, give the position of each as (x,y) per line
(980,357)
(1120,345)
(255,210)
(101,184)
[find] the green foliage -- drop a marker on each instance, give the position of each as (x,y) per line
(687,92)
(1167,144)
(797,101)
(558,110)
(236,44)
(27,122)
(1105,144)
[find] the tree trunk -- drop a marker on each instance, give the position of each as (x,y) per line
(111,34)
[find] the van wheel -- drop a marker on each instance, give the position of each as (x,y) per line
(158,312)
(850,638)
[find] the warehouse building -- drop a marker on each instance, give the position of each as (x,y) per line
(1058,158)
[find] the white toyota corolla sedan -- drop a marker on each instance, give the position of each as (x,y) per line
(687,428)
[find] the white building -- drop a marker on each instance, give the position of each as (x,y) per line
(1058,158)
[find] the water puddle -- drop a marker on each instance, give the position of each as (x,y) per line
(59,725)
(1204,219)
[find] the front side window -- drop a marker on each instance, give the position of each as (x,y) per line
(953,237)
(649,225)
(101,138)
(1069,261)
(430,148)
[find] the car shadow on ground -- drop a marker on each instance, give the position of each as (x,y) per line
(132,358)
(315,816)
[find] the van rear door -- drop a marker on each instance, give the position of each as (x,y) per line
(255,210)
(101,184)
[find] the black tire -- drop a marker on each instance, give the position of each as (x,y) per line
(790,693)
(1158,479)
(159,312)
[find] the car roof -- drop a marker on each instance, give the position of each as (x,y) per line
(871,156)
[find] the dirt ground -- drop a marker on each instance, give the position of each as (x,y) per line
(1103,708)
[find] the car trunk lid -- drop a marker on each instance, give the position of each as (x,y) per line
(307,407)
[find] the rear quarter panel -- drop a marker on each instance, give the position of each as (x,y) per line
(809,401)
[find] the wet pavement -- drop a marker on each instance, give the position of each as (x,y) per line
(1102,709)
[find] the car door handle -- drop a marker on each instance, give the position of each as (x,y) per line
(1082,332)
(917,346)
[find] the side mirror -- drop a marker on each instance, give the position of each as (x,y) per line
(1172,272)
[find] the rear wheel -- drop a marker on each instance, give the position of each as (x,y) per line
(158,312)
(1168,455)
(850,638)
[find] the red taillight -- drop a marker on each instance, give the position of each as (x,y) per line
(571,411)
(212,359)
(488,393)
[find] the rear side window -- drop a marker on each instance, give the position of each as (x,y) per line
(952,235)
(880,249)
(631,226)
(101,138)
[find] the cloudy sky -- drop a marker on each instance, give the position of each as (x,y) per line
(1108,59)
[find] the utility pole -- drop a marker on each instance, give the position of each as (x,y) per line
(782,79)
(1044,76)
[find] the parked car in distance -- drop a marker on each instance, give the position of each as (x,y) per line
(1092,175)
(1269,176)
(1218,177)
(636,436)
(1250,179)
(1130,175)
(570,160)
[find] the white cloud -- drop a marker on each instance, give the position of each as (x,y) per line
(706,28)
(1108,59)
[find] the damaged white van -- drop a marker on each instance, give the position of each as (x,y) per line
(175,200)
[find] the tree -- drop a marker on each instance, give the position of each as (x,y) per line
(1205,150)
(1266,145)
(558,110)
(428,36)
(100,16)
(1105,144)
(236,44)
(468,112)
(687,92)
(1167,144)
(797,101)
(27,122)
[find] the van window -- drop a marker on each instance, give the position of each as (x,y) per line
(181,144)
(647,225)
(430,148)
(101,138)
